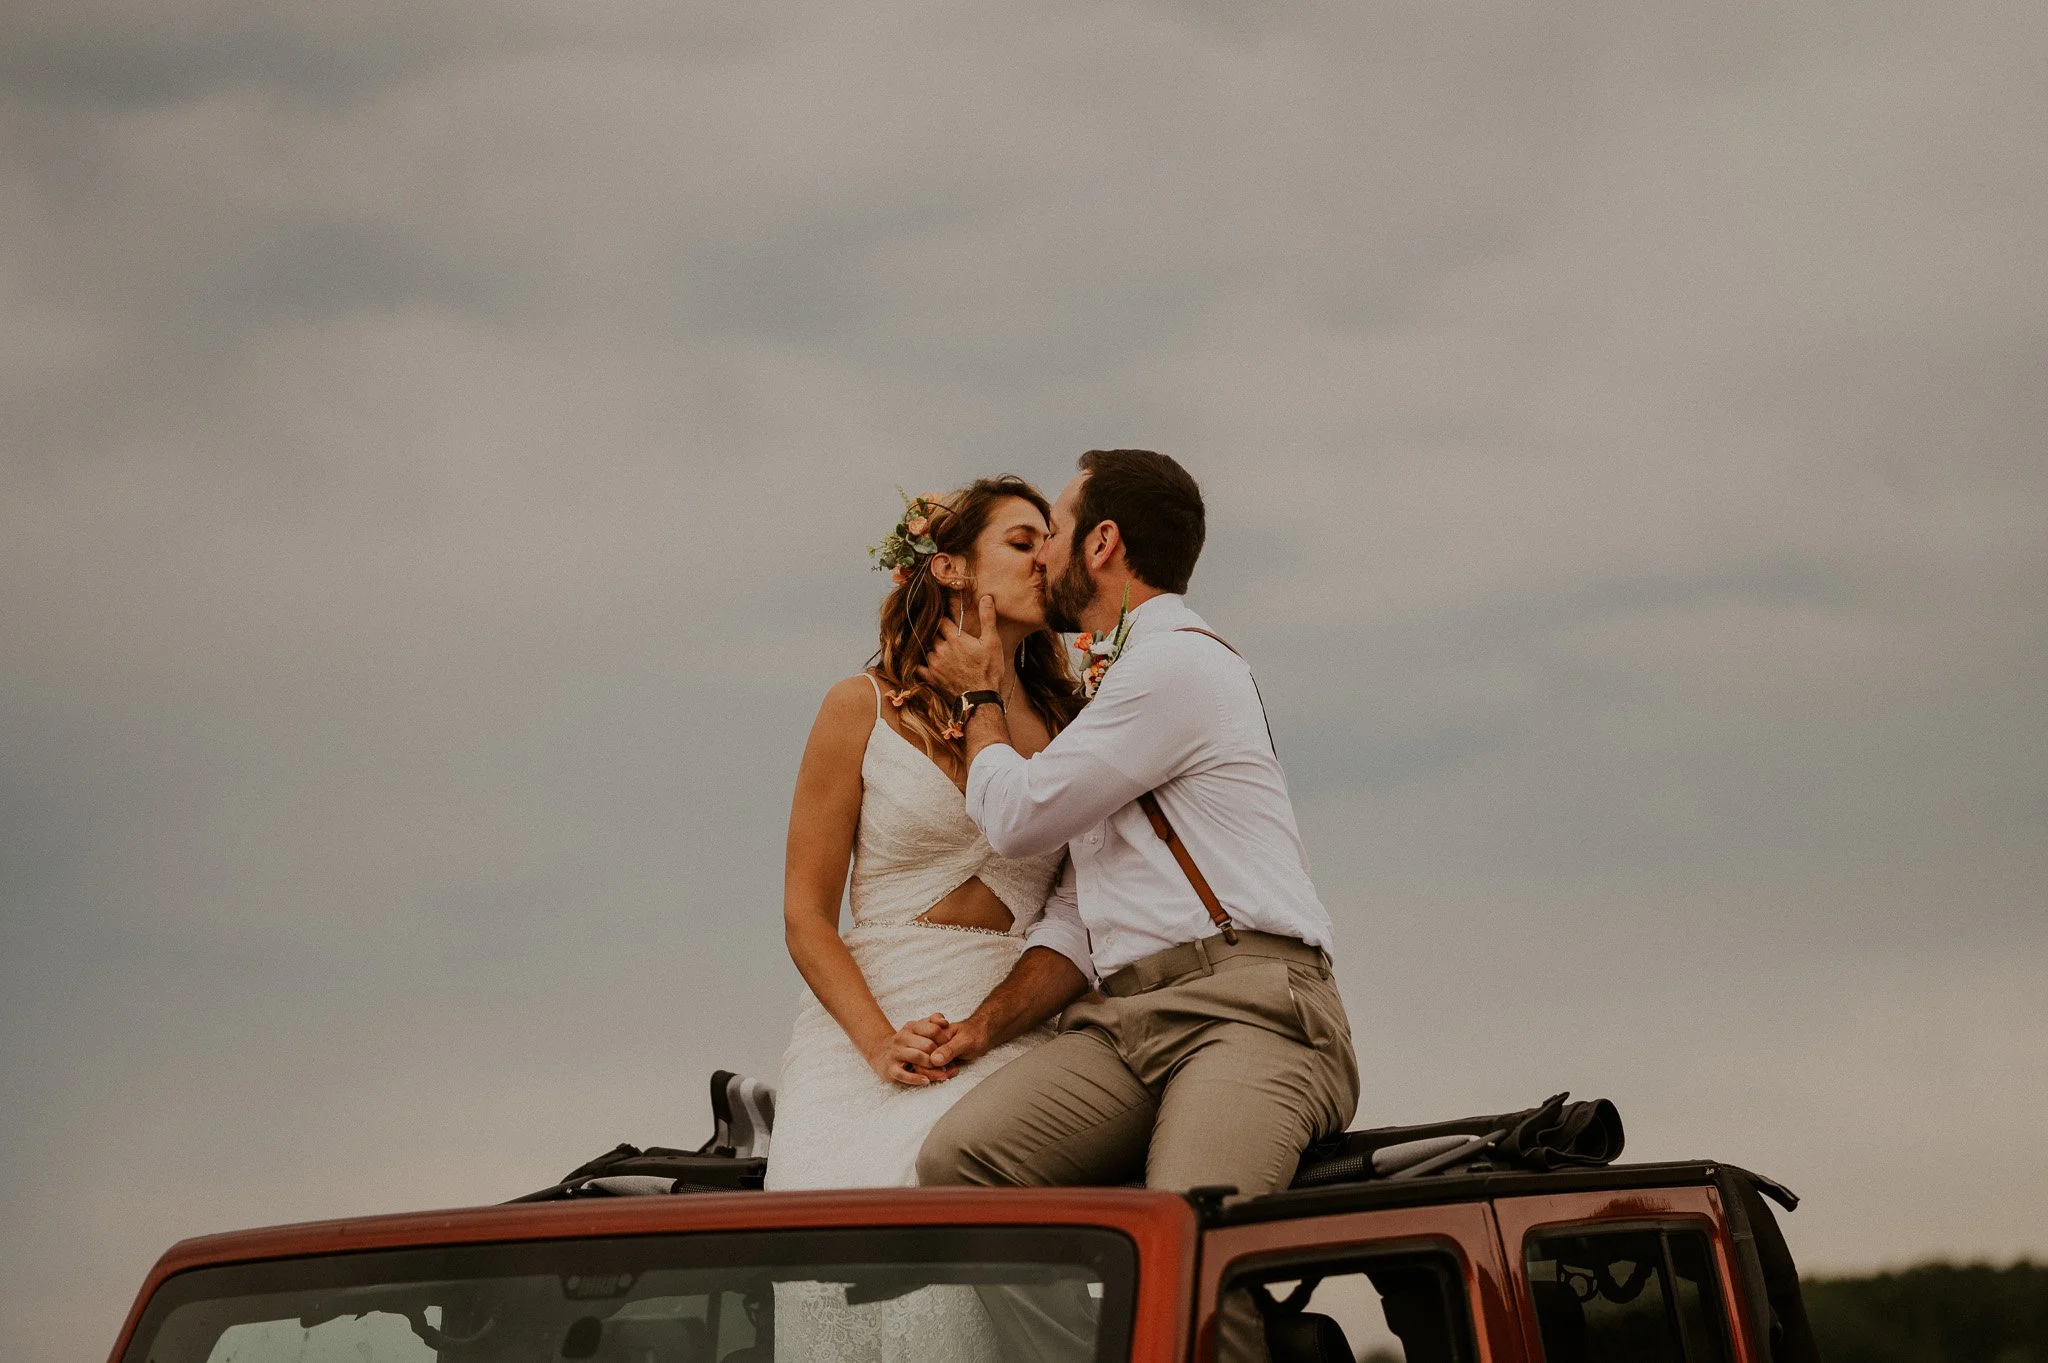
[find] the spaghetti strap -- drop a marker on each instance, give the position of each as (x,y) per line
(878,691)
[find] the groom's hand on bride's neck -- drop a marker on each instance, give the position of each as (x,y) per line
(960,662)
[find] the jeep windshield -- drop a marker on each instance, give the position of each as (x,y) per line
(938,1293)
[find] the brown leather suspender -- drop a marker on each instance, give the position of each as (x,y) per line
(1150,804)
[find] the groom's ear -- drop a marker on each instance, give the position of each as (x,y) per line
(1102,545)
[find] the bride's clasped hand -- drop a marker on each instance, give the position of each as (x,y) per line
(906,1056)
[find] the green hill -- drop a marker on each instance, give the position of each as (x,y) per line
(1935,1313)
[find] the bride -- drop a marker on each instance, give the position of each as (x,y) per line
(938,917)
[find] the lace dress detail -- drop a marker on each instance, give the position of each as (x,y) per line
(839,1125)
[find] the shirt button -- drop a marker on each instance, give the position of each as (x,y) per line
(1094,839)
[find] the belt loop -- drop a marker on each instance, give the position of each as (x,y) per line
(1202,953)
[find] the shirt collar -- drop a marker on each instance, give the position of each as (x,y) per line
(1159,614)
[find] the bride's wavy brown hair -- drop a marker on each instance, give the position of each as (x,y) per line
(914,607)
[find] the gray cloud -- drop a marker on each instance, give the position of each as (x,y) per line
(441,448)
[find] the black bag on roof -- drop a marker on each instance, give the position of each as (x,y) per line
(629,1171)
(735,1158)
(1556,1134)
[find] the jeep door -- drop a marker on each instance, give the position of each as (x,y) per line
(1424,1284)
(1644,1275)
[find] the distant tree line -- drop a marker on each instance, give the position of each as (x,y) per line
(1935,1313)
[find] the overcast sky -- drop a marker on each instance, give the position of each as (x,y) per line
(440,444)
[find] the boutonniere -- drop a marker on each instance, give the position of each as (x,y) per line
(1100,653)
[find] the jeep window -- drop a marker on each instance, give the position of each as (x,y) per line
(1628,1296)
(740,1297)
(1404,1307)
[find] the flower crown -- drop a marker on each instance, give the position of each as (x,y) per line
(906,547)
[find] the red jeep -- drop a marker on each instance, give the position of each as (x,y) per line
(1646,1263)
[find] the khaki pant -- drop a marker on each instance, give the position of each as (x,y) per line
(1204,1064)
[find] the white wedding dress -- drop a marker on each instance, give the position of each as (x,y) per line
(838,1124)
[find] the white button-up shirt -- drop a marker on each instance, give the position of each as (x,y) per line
(1177,714)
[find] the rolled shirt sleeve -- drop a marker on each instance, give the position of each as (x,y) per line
(1142,728)
(1059,928)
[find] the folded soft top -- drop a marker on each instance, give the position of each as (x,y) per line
(1555,1134)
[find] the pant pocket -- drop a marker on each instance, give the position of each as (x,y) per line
(1255,992)
(1311,1013)
(1328,1028)
(1320,1008)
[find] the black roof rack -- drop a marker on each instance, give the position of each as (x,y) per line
(1458,1187)
(1479,1185)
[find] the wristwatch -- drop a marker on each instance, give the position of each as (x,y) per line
(974,700)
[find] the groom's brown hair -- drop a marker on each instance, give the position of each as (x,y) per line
(1157,508)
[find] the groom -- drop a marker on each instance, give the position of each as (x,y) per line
(1198,1059)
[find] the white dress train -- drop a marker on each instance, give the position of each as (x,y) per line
(837,1124)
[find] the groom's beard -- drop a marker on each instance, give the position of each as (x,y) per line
(1068,595)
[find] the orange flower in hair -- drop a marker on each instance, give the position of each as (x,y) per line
(910,542)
